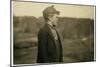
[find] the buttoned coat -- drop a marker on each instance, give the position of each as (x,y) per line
(47,50)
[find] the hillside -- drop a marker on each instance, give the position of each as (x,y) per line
(77,35)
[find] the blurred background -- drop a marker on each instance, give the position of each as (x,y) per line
(75,26)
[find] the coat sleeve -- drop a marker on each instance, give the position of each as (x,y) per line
(42,46)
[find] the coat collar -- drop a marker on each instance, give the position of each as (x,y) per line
(50,23)
(50,33)
(47,27)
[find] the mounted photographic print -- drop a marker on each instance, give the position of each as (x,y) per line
(51,33)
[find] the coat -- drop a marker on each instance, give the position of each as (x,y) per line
(47,47)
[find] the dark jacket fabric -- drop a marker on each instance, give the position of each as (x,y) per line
(48,46)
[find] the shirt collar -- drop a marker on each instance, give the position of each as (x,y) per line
(50,23)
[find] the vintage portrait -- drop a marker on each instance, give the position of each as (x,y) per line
(52,33)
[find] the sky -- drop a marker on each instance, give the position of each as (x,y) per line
(35,9)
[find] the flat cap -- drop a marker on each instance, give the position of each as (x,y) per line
(50,10)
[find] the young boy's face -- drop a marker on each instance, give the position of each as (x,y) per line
(54,19)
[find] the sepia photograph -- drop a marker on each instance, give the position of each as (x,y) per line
(52,33)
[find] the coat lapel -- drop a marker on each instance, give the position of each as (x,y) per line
(57,35)
(49,32)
